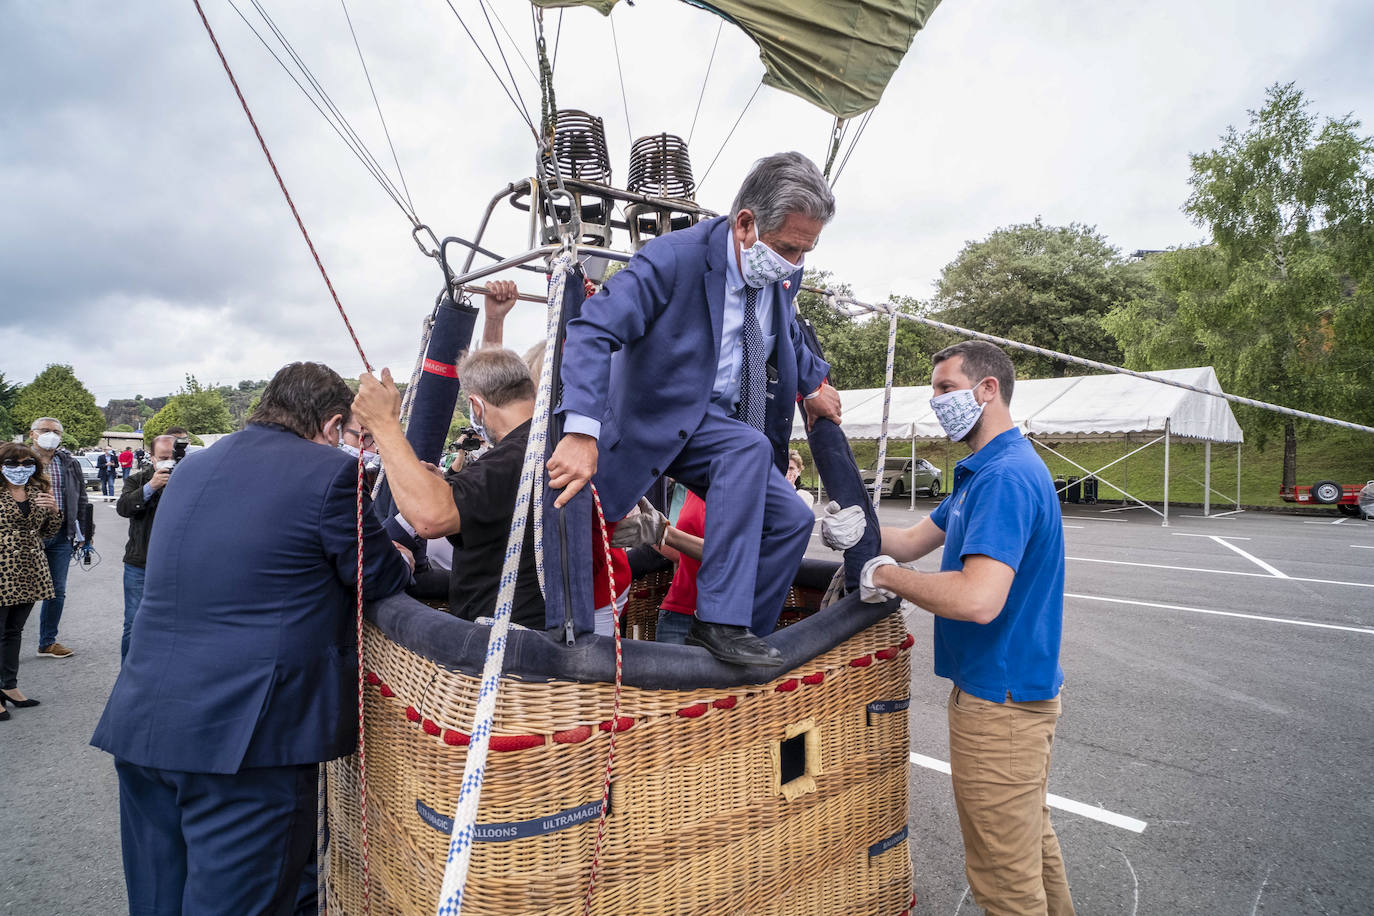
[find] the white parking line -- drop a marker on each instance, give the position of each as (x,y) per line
(1221,572)
(1253,559)
(1067,525)
(1363,546)
(1054,801)
(1229,537)
(1339,521)
(1369,631)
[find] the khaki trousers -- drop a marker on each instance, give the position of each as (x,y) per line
(999,759)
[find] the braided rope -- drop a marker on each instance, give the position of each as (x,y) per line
(474,769)
(408,399)
(615,704)
(887,403)
(362,730)
(321,823)
(848,301)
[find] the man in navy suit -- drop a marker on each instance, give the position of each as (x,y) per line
(689,363)
(242,666)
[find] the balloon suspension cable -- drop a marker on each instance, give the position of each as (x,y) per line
(461,839)
(836,137)
(848,305)
(358,580)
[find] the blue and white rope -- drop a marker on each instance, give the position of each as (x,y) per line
(474,770)
(887,402)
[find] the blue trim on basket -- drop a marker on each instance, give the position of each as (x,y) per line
(514,830)
(883,846)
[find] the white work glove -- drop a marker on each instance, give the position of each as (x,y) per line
(868,592)
(842,528)
(648,526)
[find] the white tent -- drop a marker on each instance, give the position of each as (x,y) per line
(1111,406)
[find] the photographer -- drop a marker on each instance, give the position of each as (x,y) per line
(138,503)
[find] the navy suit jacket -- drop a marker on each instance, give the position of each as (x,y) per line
(243,652)
(642,356)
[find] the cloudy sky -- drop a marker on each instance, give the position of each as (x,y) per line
(142,236)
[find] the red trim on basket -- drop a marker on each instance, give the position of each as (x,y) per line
(386,691)
(573,735)
(887,654)
(863,661)
(430,727)
(412,714)
(725,702)
(693,711)
(516,742)
(815,678)
(787,686)
(908,642)
(455,738)
(373,679)
(623,724)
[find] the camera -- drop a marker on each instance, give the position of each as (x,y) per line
(179,449)
(468,440)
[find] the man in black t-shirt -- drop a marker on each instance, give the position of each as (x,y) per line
(474,507)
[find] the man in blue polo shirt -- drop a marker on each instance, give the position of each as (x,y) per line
(999,606)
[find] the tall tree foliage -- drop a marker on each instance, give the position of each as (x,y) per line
(1282,303)
(1044,285)
(9,393)
(57,392)
(197,408)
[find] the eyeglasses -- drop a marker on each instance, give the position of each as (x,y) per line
(20,462)
(364,438)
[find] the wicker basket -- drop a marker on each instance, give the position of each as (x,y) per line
(784,798)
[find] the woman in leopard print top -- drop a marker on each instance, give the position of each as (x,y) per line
(28,516)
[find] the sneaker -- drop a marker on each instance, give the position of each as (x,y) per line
(56,650)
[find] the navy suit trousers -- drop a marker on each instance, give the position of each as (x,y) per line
(207,843)
(744,577)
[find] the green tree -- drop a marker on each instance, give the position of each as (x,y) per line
(1042,285)
(9,393)
(198,409)
(122,428)
(1282,303)
(57,392)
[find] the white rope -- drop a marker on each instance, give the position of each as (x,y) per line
(408,399)
(887,403)
(531,480)
(837,301)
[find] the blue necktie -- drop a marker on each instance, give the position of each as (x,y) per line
(751,377)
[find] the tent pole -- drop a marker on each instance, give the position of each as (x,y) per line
(1207,478)
(1238,474)
(1166,473)
(912,507)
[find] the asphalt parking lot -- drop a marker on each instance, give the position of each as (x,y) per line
(1216,728)
(1214,755)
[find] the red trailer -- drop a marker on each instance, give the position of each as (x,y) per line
(1345,497)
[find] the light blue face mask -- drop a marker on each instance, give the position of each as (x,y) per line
(20,475)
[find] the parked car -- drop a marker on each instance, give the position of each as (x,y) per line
(89,471)
(906,475)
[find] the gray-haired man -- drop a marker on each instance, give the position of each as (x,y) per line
(689,364)
(69,489)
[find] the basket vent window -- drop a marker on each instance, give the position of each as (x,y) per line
(792,758)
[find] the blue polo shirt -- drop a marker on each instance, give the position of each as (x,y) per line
(1003,506)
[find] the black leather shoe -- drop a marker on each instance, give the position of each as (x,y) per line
(20,704)
(733,645)
(4,714)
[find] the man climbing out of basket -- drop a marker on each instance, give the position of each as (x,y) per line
(999,606)
(688,363)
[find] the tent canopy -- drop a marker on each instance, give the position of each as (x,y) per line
(1082,407)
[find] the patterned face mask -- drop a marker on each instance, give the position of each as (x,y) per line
(761,265)
(958,412)
(19,475)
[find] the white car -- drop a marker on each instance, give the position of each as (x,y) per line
(905,475)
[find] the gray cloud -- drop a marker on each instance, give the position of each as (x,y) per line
(143,236)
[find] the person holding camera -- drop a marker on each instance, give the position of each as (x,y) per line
(138,503)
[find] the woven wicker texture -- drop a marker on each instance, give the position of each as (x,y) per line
(700,821)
